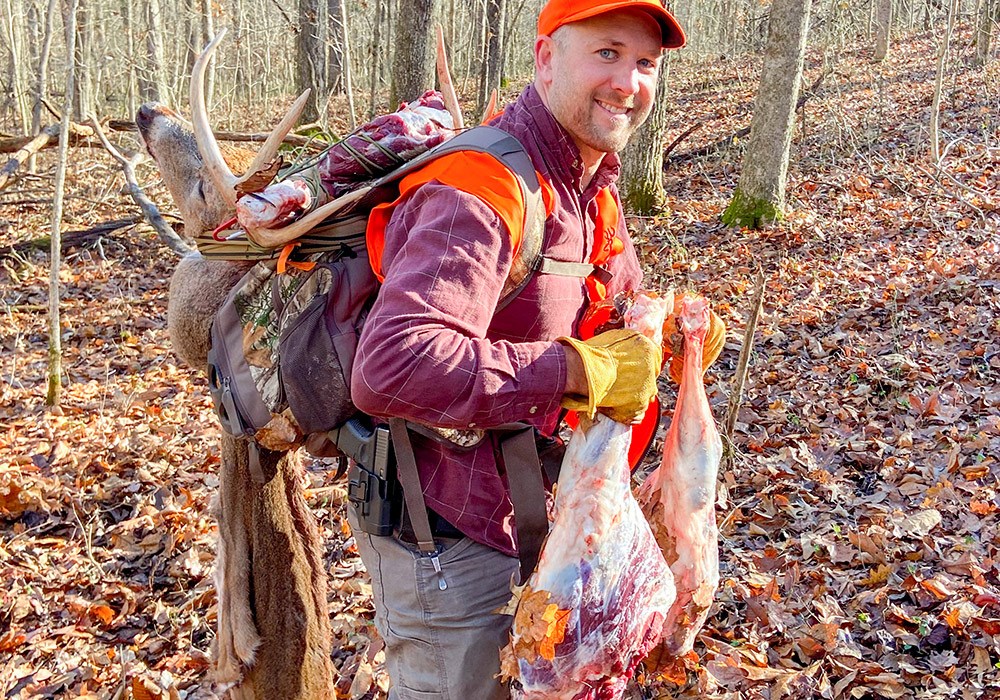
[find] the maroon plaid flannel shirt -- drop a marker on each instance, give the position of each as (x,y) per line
(433,351)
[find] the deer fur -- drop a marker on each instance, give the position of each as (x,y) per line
(273,629)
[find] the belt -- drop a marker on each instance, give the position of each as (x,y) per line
(439,528)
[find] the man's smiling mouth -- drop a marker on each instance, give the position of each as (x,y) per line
(614,109)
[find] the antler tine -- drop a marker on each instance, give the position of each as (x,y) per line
(269,150)
(208,147)
(447,86)
(277,237)
(491,106)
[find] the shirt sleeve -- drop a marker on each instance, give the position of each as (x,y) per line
(424,354)
(624,266)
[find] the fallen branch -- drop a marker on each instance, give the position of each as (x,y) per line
(48,134)
(677,141)
(742,133)
(165,233)
(77,133)
(743,363)
(70,239)
(290,139)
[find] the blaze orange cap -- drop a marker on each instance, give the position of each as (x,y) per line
(556,13)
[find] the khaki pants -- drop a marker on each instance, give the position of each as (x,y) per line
(440,644)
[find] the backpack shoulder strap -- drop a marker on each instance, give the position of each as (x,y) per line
(509,152)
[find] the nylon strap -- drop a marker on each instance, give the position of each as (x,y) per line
(413,494)
(527,492)
(561,268)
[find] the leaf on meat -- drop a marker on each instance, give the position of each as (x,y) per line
(260,179)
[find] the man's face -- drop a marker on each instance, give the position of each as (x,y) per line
(598,78)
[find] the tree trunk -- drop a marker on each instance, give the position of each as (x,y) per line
(641,181)
(43,73)
(17,80)
(207,33)
(338,37)
(413,59)
(760,195)
(490,76)
(348,75)
(883,27)
(939,79)
(152,75)
(310,52)
(54,390)
(83,95)
(131,79)
(988,17)
(375,57)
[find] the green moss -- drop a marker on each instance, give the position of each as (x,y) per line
(751,212)
(643,200)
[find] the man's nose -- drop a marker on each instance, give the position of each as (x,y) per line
(626,80)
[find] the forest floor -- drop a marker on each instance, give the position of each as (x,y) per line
(860,549)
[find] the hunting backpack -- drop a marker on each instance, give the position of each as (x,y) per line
(283,343)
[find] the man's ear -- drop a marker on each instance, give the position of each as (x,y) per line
(544,48)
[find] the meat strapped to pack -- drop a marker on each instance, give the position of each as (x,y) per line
(596,602)
(678,498)
(374,149)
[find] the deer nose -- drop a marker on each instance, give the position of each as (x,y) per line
(146,115)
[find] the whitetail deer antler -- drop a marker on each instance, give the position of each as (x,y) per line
(215,165)
(447,86)
(277,237)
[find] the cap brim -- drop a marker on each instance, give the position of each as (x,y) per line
(673,35)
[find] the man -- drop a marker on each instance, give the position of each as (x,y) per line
(435,351)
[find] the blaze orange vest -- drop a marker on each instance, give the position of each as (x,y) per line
(485,177)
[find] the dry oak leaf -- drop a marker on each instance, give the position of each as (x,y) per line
(539,623)
(260,179)
(920,524)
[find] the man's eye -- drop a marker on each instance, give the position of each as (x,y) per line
(607,53)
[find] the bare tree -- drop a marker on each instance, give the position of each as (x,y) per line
(939,78)
(490,76)
(55,240)
(641,181)
(883,28)
(152,75)
(310,51)
(987,19)
(43,75)
(413,59)
(760,194)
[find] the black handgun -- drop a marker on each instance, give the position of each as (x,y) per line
(372,486)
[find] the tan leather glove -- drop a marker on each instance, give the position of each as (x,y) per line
(715,338)
(621,367)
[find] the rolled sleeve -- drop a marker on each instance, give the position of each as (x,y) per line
(425,352)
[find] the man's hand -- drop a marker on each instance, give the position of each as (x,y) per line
(615,372)
(275,206)
(715,338)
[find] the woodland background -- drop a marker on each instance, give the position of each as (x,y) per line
(859,509)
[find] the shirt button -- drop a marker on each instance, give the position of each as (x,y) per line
(533,410)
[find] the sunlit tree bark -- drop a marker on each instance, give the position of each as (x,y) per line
(760,194)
